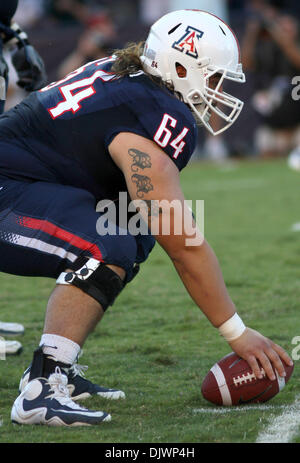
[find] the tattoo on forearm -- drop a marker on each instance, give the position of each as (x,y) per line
(143,184)
(140,160)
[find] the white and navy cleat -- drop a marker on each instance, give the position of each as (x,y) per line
(10,347)
(48,402)
(11,329)
(79,387)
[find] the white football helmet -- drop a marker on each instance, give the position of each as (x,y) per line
(205,46)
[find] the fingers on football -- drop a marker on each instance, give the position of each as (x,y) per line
(273,363)
(283,354)
(267,365)
(251,359)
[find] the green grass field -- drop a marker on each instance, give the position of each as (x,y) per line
(156,345)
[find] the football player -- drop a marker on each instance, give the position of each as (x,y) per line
(127,123)
(31,72)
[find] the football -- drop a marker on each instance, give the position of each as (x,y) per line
(232,382)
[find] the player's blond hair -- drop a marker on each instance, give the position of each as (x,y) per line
(128,59)
(128,62)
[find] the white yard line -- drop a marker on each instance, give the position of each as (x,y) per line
(284,427)
(281,429)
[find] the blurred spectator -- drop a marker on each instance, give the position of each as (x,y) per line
(97,40)
(270,50)
(102,28)
(68,11)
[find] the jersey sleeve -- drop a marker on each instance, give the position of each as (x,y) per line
(167,122)
(171,131)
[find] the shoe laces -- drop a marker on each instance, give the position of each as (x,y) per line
(58,386)
(77,369)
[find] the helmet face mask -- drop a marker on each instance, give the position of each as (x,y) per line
(205,47)
(215,100)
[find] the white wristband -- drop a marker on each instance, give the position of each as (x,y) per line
(232,328)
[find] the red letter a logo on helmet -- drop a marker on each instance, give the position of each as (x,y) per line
(187,43)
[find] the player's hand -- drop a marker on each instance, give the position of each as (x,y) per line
(30,68)
(254,347)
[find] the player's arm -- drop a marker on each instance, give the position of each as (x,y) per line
(152,177)
(196,265)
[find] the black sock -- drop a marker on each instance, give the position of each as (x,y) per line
(44,365)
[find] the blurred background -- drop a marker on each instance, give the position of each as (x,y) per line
(68,33)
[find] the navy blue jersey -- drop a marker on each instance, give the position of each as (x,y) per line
(61,133)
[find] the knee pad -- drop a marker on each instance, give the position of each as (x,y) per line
(95,279)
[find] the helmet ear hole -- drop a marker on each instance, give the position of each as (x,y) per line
(181,70)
